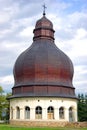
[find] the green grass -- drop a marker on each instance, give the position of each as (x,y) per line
(9,127)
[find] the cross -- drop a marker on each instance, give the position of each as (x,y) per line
(44,7)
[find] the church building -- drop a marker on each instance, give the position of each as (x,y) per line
(43,90)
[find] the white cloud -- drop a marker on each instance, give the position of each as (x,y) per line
(7,82)
(79,47)
(81,33)
(4,32)
(27,32)
(7,79)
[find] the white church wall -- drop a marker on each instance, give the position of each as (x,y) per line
(44,103)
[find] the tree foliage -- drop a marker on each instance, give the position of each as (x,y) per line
(1,90)
(82,107)
(4,105)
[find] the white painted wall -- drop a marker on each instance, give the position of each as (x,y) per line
(56,103)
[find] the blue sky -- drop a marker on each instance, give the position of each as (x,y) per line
(17,21)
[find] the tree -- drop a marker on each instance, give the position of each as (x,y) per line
(1,101)
(1,90)
(4,105)
(82,107)
(7,105)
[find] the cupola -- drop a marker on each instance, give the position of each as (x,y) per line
(43,29)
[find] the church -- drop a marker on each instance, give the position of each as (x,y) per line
(43,90)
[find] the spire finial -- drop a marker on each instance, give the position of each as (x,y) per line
(44,8)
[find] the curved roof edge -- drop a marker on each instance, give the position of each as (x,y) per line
(48,95)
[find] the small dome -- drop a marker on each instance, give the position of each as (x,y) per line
(44,23)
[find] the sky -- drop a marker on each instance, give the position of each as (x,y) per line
(17,21)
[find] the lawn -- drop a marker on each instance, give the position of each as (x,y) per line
(9,127)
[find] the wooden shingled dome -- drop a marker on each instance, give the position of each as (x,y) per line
(43,69)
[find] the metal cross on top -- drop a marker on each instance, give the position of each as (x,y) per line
(44,8)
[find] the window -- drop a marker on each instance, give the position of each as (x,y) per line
(38,112)
(61,113)
(17,112)
(71,114)
(50,112)
(27,112)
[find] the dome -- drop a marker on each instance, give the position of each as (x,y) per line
(43,69)
(44,22)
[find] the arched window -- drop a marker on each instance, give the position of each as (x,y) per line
(17,112)
(38,112)
(61,113)
(50,112)
(27,112)
(11,113)
(71,114)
